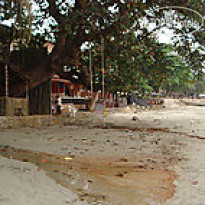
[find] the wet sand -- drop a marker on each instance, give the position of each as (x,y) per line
(107,180)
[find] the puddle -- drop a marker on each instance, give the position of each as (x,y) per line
(112,181)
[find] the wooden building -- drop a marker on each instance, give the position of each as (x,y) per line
(13,91)
(40,99)
(62,87)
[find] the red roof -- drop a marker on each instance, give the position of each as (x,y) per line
(56,78)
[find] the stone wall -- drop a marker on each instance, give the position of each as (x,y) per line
(7,122)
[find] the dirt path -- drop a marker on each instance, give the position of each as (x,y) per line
(131,162)
(190,185)
(109,166)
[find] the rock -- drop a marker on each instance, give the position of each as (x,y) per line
(90,181)
(73,182)
(120,174)
(114,144)
(195,182)
(123,159)
(86,186)
(141,166)
(155,142)
(135,118)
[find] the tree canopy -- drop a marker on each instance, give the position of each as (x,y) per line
(70,24)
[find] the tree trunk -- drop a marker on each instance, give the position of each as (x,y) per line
(93,101)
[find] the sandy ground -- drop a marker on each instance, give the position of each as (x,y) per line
(116,166)
(190,186)
(21,183)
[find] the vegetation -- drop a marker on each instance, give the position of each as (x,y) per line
(134,58)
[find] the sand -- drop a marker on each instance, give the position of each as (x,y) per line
(161,147)
(22,183)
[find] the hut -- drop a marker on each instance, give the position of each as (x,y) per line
(13,91)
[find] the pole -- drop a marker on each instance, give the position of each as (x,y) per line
(27,96)
(103,78)
(103,68)
(51,97)
(6,89)
(6,82)
(91,72)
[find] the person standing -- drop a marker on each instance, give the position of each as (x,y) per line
(58,105)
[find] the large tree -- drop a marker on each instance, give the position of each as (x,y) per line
(72,23)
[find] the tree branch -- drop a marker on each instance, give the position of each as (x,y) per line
(54,11)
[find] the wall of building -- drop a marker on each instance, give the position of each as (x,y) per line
(13,106)
(2,106)
(2,81)
(40,99)
(17,107)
